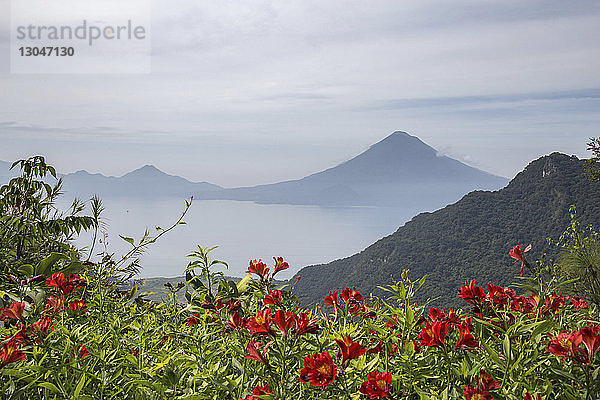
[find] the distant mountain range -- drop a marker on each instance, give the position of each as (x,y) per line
(400,170)
(469,239)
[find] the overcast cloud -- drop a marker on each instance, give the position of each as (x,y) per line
(247,92)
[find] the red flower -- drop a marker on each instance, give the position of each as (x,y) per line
(15,311)
(254,352)
(497,295)
(55,304)
(194,320)
(41,327)
(516,253)
(470,293)
(434,334)
(331,299)
(352,298)
(66,286)
(82,351)
(261,323)
(350,349)
(236,322)
(284,321)
(580,303)
(274,298)
(590,336)
(259,268)
(436,314)
(377,385)
(528,396)
(351,295)
(486,382)
(10,354)
(260,391)
(135,352)
(466,339)
(280,265)
(306,325)
(553,302)
(473,393)
(319,370)
(566,345)
(76,282)
(57,280)
(78,306)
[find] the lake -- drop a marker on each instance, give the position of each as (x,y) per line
(303,235)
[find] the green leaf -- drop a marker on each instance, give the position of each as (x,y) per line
(49,386)
(127,239)
(53,258)
(493,354)
(79,386)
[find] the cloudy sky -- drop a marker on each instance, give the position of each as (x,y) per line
(247,92)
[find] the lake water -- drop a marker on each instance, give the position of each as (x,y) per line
(303,235)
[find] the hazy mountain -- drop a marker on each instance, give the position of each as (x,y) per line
(400,170)
(145,181)
(469,239)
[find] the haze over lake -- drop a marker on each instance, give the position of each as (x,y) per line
(244,230)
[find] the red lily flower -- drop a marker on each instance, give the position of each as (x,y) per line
(528,396)
(259,268)
(580,303)
(15,311)
(554,302)
(236,322)
(319,370)
(434,334)
(254,352)
(519,255)
(82,351)
(10,354)
(55,304)
(274,298)
(590,336)
(566,345)
(470,293)
(377,385)
(194,320)
(57,280)
(76,281)
(350,349)
(306,325)
(78,306)
(260,391)
(436,314)
(487,382)
(351,295)
(284,321)
(280,265)
(331,299)
(466,339)
(473,393)
(261,323)
(497,295)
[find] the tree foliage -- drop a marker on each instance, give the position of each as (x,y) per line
(593,163)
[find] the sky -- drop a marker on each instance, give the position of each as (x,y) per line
(258,91)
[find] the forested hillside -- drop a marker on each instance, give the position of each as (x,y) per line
(469,239)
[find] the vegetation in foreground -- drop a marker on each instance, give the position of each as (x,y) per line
(69,331)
